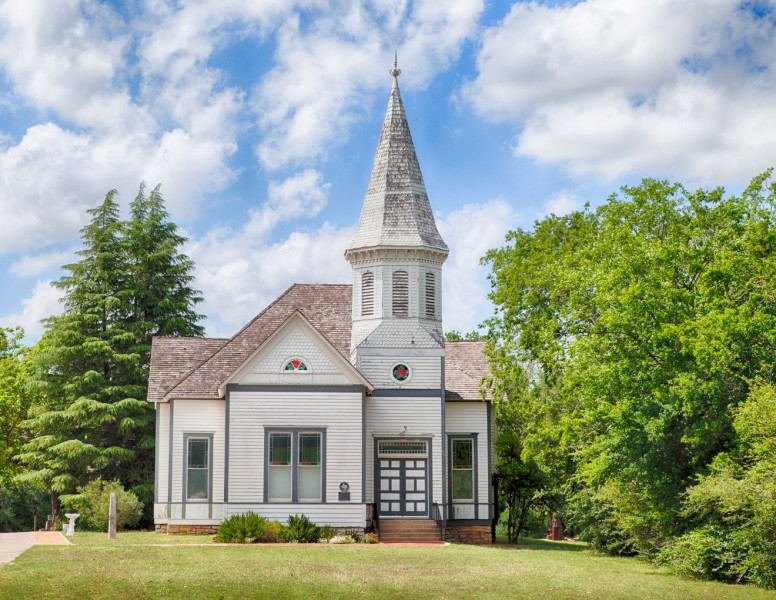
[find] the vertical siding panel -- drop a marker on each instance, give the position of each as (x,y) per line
(426,371)
(472,417)
(252,412)
(421,416)
(198,416)
(163,452)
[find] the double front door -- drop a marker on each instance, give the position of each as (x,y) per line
(403,487)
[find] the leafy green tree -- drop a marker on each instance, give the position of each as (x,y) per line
(647,319)
(17,395)
(130,283)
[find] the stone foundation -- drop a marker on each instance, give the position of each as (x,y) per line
(187,529)
(468,534)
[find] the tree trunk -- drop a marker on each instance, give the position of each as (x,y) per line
(54,505)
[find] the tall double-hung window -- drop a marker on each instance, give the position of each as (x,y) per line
(462,469)
(197,473)
(295,466)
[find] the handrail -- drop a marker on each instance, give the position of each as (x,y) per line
(439,517)
(373,518)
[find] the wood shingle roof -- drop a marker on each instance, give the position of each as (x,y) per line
(196,367)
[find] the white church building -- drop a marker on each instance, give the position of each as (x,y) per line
(341,402)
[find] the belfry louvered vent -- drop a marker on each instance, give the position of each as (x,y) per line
(401,305)
(367,294)
(430,296)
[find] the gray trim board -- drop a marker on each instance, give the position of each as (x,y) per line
(236,387)
(294,431)
(490,463)
(482,522)
(170,442)
(185,460)
(406,392)
(475,459)
(363,446)
(444,448)
(156,454)
(226,448)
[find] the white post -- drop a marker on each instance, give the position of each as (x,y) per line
(112,517)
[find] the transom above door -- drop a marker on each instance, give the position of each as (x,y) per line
(402,478)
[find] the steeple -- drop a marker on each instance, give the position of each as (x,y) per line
(396,209)
(397,252)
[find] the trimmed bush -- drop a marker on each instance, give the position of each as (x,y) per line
(93,500)
(301,529)
(249,528)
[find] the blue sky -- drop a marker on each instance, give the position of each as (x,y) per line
(260,120)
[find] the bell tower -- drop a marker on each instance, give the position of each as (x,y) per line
(397,252)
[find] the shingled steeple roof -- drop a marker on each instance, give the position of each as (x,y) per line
(396,209)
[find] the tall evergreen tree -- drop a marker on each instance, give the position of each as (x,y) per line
(130,283)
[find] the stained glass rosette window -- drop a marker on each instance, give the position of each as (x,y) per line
(295,365)
(400,372)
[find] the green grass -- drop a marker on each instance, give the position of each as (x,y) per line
(147,565)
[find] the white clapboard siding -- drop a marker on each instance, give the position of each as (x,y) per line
(335,514)
(163,451)
(472,417)
(388,416)
(198,416)
(295,342)
(250,413)
(426,371)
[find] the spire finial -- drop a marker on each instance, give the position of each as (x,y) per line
(395,71)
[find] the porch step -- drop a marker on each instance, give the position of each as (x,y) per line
(409,530)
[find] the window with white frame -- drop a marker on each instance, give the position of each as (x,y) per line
(197,468)
(295,463)
(462,469)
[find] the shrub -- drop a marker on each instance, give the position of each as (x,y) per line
(353,533)
(342,539)
(709,552)
(248,528)
(327,532)
(371,538)
(93,500)
(301,529)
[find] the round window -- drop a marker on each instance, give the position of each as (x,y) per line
(400,372)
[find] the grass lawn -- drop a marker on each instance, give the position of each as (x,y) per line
(148,565)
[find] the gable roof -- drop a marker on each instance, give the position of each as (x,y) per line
(396,209)
(465,367)
(174,357)
(326,307)
(297,316)
(196,367)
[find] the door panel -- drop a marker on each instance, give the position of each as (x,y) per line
(402,488)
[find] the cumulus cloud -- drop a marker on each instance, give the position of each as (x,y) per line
(561,204)
(325,70)
(41,304)
(34,264)
(470,232)
(611,88)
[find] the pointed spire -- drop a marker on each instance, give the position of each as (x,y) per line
(396,209)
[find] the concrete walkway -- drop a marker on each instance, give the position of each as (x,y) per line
(13,544)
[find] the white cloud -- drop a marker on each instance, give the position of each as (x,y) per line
(35,264)
(470,232)
(43,303)
(325,70)
(610,88)
(561,204)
